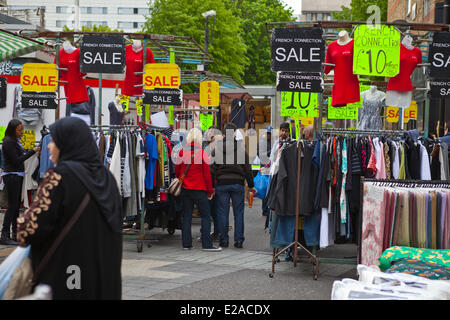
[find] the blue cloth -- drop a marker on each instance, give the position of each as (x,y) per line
(282,230)
(224,193)
(45,162)
(311,228)
(446,139)
(152,152)
(316,154)
(189,197)
(261,183)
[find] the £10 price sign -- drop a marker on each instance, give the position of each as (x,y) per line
(376,51)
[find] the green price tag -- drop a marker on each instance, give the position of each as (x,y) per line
(207,121)
(139,107)
(299,104)
(171,116)
(147,113)
(125,101)
(347,112)
(376,51)
(2,133)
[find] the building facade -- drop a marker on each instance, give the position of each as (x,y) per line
(414,11)
(320,10)
(128,16)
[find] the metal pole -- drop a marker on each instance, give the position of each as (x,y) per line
(59,93)
(206,41)
(144,61)
(171,60)
(426,117)
(99,98)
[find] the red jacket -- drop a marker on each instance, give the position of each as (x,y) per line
(198,176)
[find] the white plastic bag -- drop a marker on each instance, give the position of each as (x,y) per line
(9,265)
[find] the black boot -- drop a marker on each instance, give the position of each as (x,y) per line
(5,240)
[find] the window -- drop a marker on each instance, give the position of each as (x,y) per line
(125,10)
(91,23)
(25,7)
(62,23)
(426,7)
(408,8)
(125,25)
(308,17)
(319,17)
(133,10)
(130,25)
(94,10)
(413,11)
(65,9)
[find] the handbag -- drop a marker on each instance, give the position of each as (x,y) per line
(261,183)
(176,184)
(23,278)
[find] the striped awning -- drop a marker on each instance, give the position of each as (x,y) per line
(12,46)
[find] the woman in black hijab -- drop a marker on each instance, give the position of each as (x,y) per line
(87,263)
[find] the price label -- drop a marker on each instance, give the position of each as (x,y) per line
(139,107)
(28,139)
(347,112)
(125,101)
(2,133)
(408,113)
(376,51)
(207,121)
(299,104)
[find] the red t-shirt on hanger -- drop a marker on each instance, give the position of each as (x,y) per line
(409,59)
(75,90)
(346,85)
(134,64)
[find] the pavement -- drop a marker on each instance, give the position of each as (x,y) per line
(164,271)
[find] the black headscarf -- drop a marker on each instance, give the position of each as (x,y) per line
(79,154)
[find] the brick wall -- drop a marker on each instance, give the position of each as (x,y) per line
(397,10)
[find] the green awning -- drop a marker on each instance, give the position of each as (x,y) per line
(12,46)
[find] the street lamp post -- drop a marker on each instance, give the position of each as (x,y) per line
(206,15)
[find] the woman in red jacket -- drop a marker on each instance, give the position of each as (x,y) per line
(196,188)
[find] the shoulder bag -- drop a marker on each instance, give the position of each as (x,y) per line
(176,184)
(23,278)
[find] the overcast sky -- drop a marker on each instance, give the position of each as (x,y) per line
(296,5)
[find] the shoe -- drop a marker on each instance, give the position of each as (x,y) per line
(187,248)
(223,244)
(238,244)
(7,241)
(212,249)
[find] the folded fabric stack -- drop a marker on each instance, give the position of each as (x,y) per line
(374,284)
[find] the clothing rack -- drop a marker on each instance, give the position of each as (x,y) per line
(395,183)
(369,132)
(296,244)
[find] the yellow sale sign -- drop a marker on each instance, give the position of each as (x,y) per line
(39,77)
(161,75)
(209,94)
(28,139)
(408,113)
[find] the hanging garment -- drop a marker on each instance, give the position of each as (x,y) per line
(238,113)
(134,63)
(409,59)
(152,153)
(30,116)
(44,162)
(346,85)
(342,200)
(373,224)
(308,180)
(396,162)
(115,166)
(370,114)
(425,170)
(28,182)
(387,160)
(75,88)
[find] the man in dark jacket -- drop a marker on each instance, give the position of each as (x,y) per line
(230,168)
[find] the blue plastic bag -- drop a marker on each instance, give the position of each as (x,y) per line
(10,264)
(261,182)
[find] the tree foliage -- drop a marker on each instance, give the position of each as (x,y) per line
(184,18)
(358,10)
(254,15)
